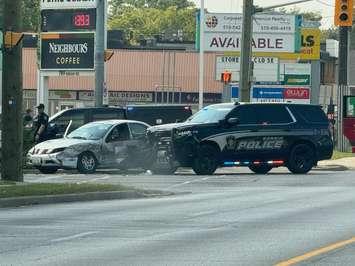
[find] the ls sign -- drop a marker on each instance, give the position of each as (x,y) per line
(68,4)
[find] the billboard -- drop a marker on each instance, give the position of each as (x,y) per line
(271,32)
(67,51)
(68,4)
(266,69)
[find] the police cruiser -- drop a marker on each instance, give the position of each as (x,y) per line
(255,135)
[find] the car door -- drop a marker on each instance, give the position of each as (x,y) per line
(275,129)
(116,146)
(139,148)
(237,135)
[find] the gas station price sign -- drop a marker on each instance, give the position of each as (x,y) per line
(68,19)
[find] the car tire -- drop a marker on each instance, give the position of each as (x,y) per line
(47,170)
(87,163)
(260,169)
(206,161)
(301,159)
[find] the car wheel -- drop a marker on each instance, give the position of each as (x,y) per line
(301,159)
(206,161)
(87,163)
(260,169)
(47,170)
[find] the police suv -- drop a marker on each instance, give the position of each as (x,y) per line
(256,135)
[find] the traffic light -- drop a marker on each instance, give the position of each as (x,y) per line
(226,77)
(343,15)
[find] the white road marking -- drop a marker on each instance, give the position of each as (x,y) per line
(74,236)
(41,179)
(191,181)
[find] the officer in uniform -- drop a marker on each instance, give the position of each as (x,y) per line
(40,124)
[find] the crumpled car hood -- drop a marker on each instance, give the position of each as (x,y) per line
(62,143)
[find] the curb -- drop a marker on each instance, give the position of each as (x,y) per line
(79,197)
(332,167)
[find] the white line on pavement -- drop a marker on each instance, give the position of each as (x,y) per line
(74,236)
(189,182)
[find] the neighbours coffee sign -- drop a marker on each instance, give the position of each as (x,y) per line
(67,51)
(68,4)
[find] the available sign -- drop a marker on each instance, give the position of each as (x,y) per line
(67,51)
(266,69)
(68,4)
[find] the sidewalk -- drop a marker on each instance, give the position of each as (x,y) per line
(345,163)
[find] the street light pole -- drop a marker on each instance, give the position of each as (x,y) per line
(201,55)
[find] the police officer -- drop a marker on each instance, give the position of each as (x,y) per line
(40,124)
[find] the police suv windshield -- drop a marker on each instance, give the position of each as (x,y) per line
(92,131)
(210,114)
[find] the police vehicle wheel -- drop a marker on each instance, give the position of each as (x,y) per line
(87,163)
(301,159)
(206,161)
(47,170)
(260,169)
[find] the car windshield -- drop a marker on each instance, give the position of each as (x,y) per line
(92,131)
(209,115)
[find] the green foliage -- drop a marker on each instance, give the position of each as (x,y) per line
(307,15)
(30,15)
(149,22)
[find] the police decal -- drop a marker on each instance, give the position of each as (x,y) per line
(263,143)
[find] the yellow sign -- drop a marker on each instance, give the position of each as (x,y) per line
(310,47)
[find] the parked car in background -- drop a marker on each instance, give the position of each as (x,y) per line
(81,116)
(117,144)
(159,113)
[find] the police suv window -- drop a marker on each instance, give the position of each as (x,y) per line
(106,114)
(77,117)
(245,113)
(137,130)
(272,114)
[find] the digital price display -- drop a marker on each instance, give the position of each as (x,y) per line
(68,19)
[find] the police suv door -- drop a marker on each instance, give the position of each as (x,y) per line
(238,136)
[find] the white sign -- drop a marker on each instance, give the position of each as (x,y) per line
(66,73)
(262,23)
(265,68)
(295,68)
(225,42)
(68,4)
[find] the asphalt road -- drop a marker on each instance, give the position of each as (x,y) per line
(225,219)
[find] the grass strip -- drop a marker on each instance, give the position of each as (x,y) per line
(339,155)
(8,189)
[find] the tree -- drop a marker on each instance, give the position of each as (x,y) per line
(307,15)
(149,22)
(31,15)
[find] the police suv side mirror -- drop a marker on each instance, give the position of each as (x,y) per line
(233,121)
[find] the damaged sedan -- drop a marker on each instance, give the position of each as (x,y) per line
(119,144)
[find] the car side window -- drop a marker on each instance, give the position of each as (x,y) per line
(106,114)
(246,115)
(119,133)
(273,114)
(138,131)
(76,116)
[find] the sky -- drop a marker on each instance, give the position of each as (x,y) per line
(326,7)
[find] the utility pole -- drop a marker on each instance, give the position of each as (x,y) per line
(244,84)
(343,55)
(11,150)
(201,55)
(99,53)
(246,50)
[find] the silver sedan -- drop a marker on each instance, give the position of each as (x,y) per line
(118,144)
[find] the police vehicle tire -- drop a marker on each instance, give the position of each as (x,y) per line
(260,169)
(87,163)
(48,170)
(206,161)
(301,159)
